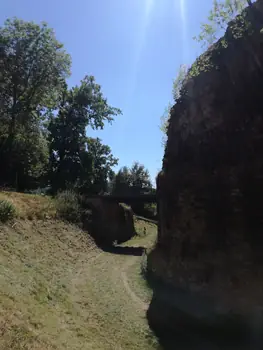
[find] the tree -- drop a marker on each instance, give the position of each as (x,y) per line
(139,178)
(97,163)
(71,153)
(122,182)
(165,123)
(135,181)
(33,66)
(25,167)
(132,181)
(177,87)
(140,183)
(220,15)
(179,81)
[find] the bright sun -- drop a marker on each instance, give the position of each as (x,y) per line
(148,7)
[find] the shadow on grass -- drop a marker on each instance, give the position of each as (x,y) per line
(182,320)
(135,251)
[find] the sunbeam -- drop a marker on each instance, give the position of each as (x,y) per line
(142,34)
(184,29)
(148,7)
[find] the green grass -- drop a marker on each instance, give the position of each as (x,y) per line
(143,227)
(67,205)
(59,291)
(134,272)
(7,210)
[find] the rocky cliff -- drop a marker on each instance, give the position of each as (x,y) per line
(210,240)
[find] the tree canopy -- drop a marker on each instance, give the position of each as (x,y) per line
(72,153)
(133,180)
(43,123)
(33,67)
(222,12)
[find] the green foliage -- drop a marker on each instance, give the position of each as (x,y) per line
(165,123)
(7,210)
(202,64)
(33,66)
(132,181)
(177,87)
(179,81)
(221,14)
(220,17)
(43,124)
(76,159)
(25,164)
(139,178)
(97,171)
(67,206)
(150,210)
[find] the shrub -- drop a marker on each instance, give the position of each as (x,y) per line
(144,266)
(148,211)
(41,191)
(67,206)
(7,210)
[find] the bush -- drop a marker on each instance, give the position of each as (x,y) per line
(41,191)
(148,211)
(67,206)
(7,210)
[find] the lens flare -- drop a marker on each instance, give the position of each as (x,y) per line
(184,29)
(148,7)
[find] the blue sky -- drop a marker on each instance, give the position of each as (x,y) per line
(134,49)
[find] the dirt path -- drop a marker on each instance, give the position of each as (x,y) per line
(140,303)
(69,294)
(114,285)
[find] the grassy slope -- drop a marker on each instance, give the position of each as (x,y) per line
(31,206)
(59,291)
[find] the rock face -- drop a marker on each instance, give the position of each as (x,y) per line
(108,221)
(210,239)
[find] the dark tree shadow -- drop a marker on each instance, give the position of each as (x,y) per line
(173,317)
(135,251)
(176,330)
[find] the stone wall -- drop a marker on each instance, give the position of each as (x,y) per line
(210,239)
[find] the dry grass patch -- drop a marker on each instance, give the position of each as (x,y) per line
(38,262)
(30,206)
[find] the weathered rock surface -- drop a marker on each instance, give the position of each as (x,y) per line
(210,239)
(108,221)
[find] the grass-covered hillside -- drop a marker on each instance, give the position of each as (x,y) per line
(58,290)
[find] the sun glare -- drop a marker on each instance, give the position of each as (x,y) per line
(147,9)
(183,27)
(182,11)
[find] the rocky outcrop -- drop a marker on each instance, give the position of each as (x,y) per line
(210,239)
(108,221)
